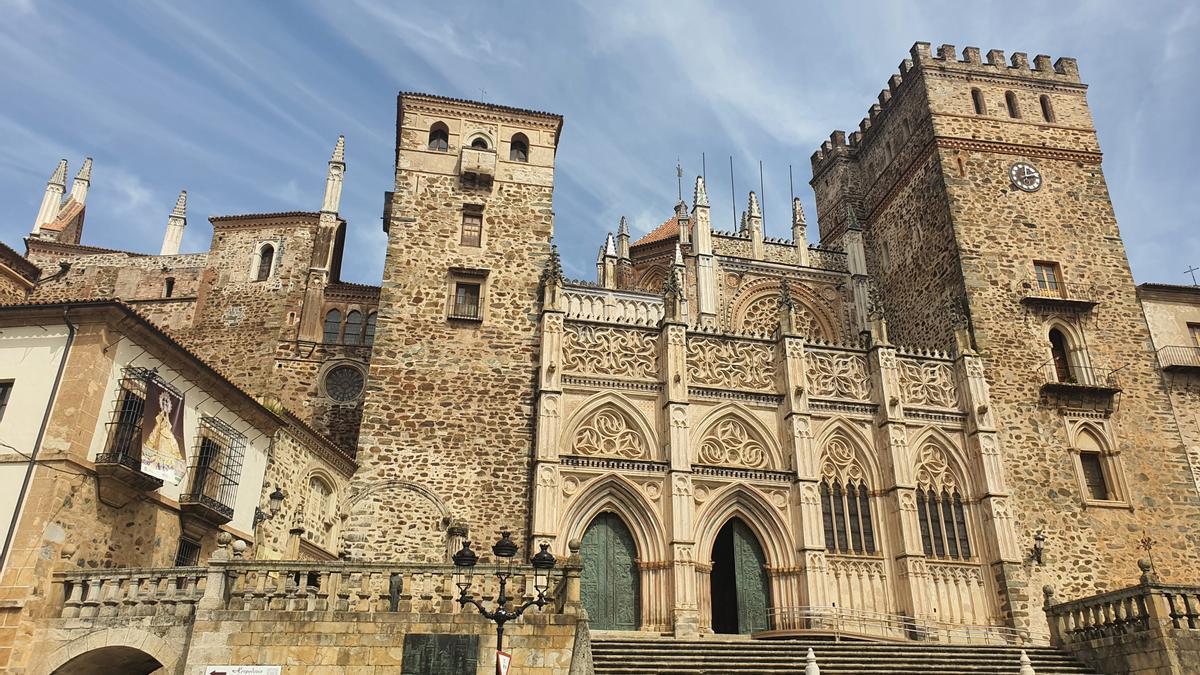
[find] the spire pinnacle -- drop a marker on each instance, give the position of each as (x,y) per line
(797,212)
(623,228)
(59,177)
(553,273)
(180,210)
(678,256)
(339,151)
(700,196)
(609,247)
(755,209)
(85,171)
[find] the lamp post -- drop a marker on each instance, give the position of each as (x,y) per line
(274,503)
(504,549)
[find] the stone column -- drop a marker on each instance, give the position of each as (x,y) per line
(547,494)
(673,368)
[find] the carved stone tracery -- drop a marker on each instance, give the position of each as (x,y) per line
(927,383)
(933,471)
(838,462)
(610,433)
(837,375)
(729,364)
(730,442)
(599,350)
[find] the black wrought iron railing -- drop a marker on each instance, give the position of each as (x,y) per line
(1051,290)
(1054,374)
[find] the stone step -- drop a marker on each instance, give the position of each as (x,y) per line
(724,656)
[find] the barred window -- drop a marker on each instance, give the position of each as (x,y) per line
(353,333)
(943,523)
(188,553)
(216,466)
(124,445)
(846,516)
(466,301)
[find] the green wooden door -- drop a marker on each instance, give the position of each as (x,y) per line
(753,589)
(610,583)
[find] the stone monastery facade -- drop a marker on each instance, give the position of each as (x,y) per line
(949,402)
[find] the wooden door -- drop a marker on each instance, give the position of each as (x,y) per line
(750,572)
(610,584)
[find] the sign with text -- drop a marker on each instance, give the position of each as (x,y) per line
(439,654)
(503,661)
(243,670)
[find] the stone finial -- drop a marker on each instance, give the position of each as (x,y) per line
(678,261)
(1047,595)
(552,274)
(600,255)
(1026,665)
(610,248)
(83,179)
(797,213)
(744,226)
(176,222)
(754,208)
(239,548)
(785,296)
(52,199)
(339,151)
(681,210)
(700,196)
(1148,574)
(810,663)
(623,228)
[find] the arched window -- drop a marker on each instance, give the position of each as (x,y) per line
(1062,356)
(333,326)
(1047,110)
(353,333)
(846,515)
(943,523)
(439,137)
(318,511)
(369,333)
(266,258)
(480,143)
(977,99)
(518,148)
(169,287)
(1010,99)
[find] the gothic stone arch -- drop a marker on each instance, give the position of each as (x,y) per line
(731,435)
(609,425)
(755,310)
(395,520)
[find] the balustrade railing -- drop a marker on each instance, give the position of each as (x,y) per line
(594,304)
(239,585)
(1148,605)
(131,592)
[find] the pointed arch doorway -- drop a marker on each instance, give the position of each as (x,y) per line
(740,589)
(610,583)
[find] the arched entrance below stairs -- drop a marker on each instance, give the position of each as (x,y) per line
(740,588)
(610,583)
(107,660)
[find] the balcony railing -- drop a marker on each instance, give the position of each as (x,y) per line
(1059,294)
(839,621)
(1079,378)
(1179,358)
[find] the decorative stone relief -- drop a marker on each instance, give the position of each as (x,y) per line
(652,490)
(554,323)
(837,375)
(570,485)
(730,442)
(844,566)
(600,350)
(729,364)
(609,432)
(908,502)
(933,472)
(701,494)
(927,384)
(761,317)
(548,476)
(809,495)
(682,486)
(839,463)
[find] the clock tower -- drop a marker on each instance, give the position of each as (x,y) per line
(988,228)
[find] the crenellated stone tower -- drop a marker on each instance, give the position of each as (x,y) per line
(988,228)
(447,431)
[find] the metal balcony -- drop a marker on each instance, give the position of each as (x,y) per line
(1179,359)
(1079,382)
(1059,295)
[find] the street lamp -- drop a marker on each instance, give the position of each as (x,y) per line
(274,503)
(504,549)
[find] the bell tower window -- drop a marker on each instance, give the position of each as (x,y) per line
(1010,99)
(353,333)
(518,148)
(266,258)
(333,327)
(439,137)
(1047,110)
(480,143)
(977,99)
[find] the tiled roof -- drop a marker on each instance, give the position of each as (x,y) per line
(34,242)
(69,212)
(18,263)
(665,231)
(260,216)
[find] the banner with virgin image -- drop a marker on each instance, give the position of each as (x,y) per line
(163,454)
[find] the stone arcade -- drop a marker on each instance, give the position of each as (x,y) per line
(950,402)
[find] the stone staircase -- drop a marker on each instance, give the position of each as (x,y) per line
(667,656)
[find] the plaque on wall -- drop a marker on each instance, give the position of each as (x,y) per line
(439,654)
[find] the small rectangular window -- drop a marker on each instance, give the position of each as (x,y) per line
(1093,475)
(6,388)
(1194,331)
(188,553)
(472,227)
(1049,277)
(466,301)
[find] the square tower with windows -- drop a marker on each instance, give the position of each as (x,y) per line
(447,436)
(988,226)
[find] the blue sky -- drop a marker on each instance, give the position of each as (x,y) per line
(240,103)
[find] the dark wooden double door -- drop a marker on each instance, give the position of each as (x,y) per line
(611,584)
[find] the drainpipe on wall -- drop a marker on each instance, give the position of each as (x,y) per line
(37,443)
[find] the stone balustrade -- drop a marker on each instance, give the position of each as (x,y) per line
(171,591)
(1148,605)
(598,304)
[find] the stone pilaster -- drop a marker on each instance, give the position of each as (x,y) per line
(685,603)
(547,489)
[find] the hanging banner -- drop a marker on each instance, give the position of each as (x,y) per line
(162,434)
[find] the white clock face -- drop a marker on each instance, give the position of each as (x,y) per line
(1025,176)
